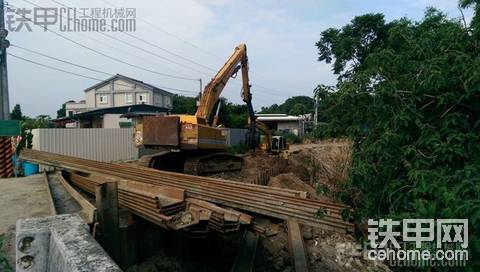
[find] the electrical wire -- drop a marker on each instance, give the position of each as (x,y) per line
(85,76)
(104,54)
(53,68)
(271,91)
(145,41)
(172,34)
(142,40)
(57,59)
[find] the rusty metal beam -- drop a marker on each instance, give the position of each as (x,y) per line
(297,247)
(88,209)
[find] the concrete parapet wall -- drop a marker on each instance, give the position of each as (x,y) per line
(59,244)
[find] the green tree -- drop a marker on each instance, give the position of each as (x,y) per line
(61,112)
(184,105)
(233,115)
(295,105)
(16,113)
(408,95)
(27,124)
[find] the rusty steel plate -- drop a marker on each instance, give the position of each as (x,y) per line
(161,130)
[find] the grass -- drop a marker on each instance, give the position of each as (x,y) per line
(4,266)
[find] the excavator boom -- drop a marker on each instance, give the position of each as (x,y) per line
(211,94)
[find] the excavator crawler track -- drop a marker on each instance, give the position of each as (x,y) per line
(212,163)
(192,163)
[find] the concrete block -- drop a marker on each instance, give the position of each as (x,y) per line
(59,243)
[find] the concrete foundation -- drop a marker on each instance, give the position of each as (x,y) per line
(59,243)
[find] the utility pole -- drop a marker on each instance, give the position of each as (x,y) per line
(315,117)
(200,80)
(199,93)
(4,44)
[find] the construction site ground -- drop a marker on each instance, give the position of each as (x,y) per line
(311,166)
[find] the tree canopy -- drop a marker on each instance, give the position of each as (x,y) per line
(295,105)
(16,113)
(61,112)
(184,104)
(408,94)
(231,115)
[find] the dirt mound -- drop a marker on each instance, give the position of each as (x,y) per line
(325,163)
(291,181)
(253,165)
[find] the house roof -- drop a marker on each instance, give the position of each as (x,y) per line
(278,117)
(120,110)
(132,80)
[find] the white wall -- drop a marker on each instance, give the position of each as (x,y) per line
(291,126)
(112,120)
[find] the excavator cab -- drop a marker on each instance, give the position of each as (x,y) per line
(279,144)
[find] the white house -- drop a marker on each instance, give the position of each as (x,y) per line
(284,122)
(119,91)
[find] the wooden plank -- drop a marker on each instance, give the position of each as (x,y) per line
(88,209)
(297,247)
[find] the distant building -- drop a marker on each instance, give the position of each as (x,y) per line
(117,91)
(284,122)
(114,117)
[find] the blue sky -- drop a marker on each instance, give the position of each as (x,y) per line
(280,36)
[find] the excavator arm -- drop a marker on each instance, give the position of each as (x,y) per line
(211,94)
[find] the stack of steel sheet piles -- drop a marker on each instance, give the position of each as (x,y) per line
(268,201)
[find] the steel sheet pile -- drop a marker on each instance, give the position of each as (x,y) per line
(223,195)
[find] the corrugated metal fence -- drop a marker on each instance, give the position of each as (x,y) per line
(235,136)
(101,144)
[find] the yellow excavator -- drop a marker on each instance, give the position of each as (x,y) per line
(192,143)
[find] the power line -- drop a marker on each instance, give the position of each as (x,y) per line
(81,75)
(57,59)
(274,92)
(171,34)
(123,51)
(53,68)
(104,54)
(149,43)
(145,41)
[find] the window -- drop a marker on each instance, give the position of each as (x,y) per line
(167,101)
(103,99)
(128,98)
(142,98)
